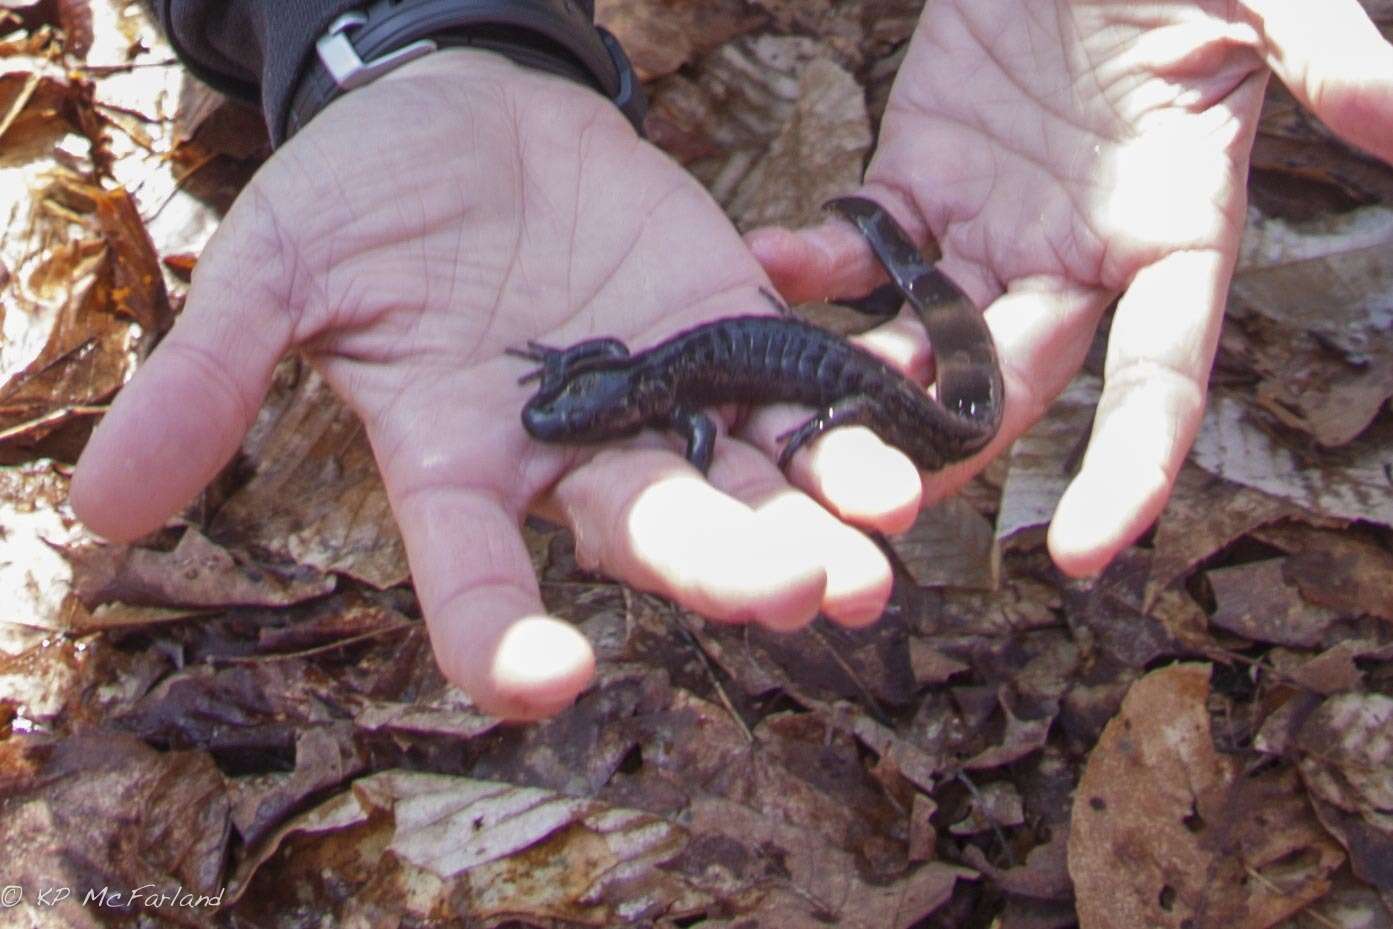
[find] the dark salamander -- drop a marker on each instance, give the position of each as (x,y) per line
(595,390)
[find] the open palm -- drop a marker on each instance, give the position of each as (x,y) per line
(1063,153)
(407,237)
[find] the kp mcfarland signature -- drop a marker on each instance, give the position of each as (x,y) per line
(145,896)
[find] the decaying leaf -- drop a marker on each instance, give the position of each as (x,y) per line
(950,545)
(1346,747)
(1042,464)
(1351,482)
(818,154)
(1256,602)
(1205,514)
(661,37)
(294,744)
(152,828)
(316,498)
(1313,304)
(197,574)
(1166,831)
(1343,571)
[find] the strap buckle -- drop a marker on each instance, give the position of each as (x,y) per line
(344,65)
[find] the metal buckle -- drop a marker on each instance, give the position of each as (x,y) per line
(341,58)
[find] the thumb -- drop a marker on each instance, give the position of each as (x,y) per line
(184,414)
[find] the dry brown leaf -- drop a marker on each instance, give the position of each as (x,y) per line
(493,849)
(1044,876)
(807,881)
(1205,514)
(73,258)
(993,806)
(1313,303)
(1351,482)
(34,524)
(197,574)
(1256,602)
(108,815)
(950,545)
(720,121)
(1346,747)
(316,498)
(1166,832)
(818,154)
(1344,571)
(1042,464)
(660,36)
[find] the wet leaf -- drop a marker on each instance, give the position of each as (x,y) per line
(106,813)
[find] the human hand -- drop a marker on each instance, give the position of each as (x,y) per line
(404,239)
(1065,153)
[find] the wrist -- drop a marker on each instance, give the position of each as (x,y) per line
(551,36)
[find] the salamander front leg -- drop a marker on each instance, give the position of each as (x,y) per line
(857,409)
(881,304)
(699,431)
(558,363)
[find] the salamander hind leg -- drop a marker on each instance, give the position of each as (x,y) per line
(559,363)
(857,409)
(699,431)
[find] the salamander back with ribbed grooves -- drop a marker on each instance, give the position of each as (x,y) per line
(595,390)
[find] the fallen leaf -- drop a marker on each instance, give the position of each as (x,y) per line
(316,498)
(1166,832)
(817,155)
(1351,482)
(197,574)
(950,545)
(1256,602)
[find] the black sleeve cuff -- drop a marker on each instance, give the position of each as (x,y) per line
(258,50)
(250,49)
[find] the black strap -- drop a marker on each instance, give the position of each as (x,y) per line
(556,36)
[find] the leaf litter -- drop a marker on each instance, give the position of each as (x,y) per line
(243,707)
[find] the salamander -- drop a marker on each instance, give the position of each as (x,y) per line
(596,390)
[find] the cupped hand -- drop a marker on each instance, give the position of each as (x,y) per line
(416,229)
(1065,152)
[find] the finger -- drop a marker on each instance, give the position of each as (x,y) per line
(184,414)
(647,517)
(850,470)
(488,628)
(1333,59)
(1160,350)
(858,575)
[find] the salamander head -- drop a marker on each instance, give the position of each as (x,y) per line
(592,405)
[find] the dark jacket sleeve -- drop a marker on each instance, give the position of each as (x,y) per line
(252,49)
(257,49)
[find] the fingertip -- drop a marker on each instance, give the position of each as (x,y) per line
(535,669)
(1103,510)
(858,577)
(821,262)
(540,667)
(864,480)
